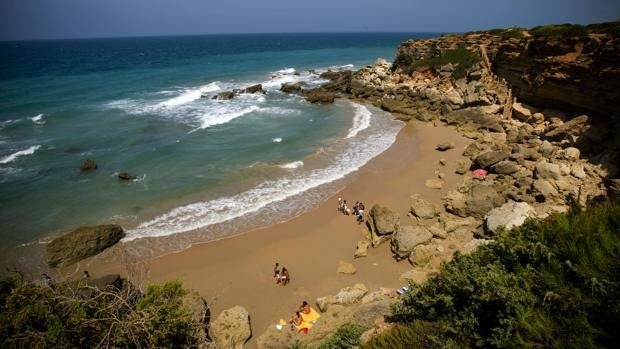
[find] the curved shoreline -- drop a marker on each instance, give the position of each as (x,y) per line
(237,270)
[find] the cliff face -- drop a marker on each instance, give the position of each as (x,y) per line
(577,74)
(580,74)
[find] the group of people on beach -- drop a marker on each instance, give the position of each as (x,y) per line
(281,276)
(304,318)
(358,209)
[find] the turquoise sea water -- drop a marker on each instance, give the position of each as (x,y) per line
(134,105)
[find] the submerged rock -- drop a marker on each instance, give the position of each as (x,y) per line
(81,243)
(126,176)
(258,88)
(88,165)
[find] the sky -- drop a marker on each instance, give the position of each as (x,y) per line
(58,19)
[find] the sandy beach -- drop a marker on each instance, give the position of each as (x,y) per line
(239,270)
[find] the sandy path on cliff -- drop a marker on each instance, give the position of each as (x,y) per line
(238,270)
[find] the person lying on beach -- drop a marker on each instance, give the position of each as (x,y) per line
(284,277)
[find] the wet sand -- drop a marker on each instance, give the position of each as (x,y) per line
(239,270)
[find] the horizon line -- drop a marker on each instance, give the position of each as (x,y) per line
(224,34)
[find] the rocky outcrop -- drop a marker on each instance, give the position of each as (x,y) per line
(88,165)
(319,97)
(81,243)
(291,87)
(382,223)
(576,73)
(231,329)
(258,88)
(346,296)
(227,95)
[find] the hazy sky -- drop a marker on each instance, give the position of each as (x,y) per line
(43,19)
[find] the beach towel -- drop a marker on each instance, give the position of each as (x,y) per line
(311,317)
(303,327)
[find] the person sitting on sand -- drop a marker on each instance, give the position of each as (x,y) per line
(86,274)
(284,277)
(298,324)
(276,273)
(339,204)
(308,314)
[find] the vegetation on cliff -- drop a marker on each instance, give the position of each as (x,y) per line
(74,315)
(461,58)
(548,283)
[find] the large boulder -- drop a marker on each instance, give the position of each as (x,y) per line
(422,254)
(476,202)
(81,243)
(382,223)
(231,329)
(489,158)
(422,208)
(509,215)
(407,238)
(88,165)
(346,296)
(547,170)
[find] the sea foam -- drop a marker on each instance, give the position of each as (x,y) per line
(292,165)
(189,95)
(361,120)
(12,157)
(38,120)
(355,153)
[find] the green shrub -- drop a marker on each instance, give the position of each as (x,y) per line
(346,336)
(559,30)
(416,335)
(73,315)
(551,283)
(605,28)
(461,57)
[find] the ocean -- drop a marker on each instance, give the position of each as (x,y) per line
(205,168)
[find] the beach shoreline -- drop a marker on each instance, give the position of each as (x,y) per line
(238,270)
